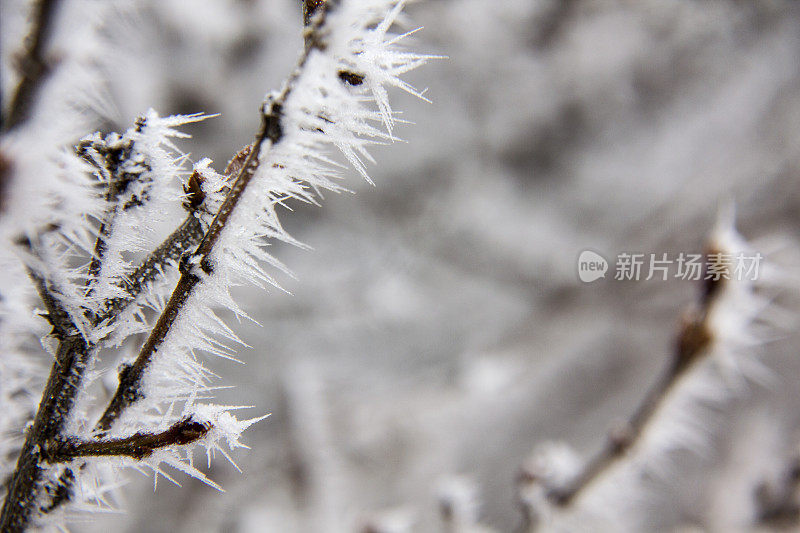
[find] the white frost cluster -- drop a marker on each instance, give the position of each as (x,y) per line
(49,187)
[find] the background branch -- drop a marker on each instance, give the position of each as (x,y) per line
(33,65)
(778,501)
(691,345)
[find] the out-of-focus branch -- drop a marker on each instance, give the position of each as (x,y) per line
(33,65)
(56,315)
(778,501)
(694,338)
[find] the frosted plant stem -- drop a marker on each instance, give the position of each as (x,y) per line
(74,353)
(116,186)
(62,387)
(183,238)
(58,399)
(57,316)
(691,346)
(129,389)
(188,234)
(33,65)
(138,446)
(72,357)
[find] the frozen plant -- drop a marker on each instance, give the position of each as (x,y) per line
(86,270)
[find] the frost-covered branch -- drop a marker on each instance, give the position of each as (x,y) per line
(185,237)
(270,131)
(714,354)
(137,446)
(96,296)
(56,315)
(691,345)
(51,419)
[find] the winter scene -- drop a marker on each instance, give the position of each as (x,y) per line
(395,266)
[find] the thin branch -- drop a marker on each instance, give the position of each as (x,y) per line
(692,345)
(187,235)
(183,238)
(109,161)
(56,315)
(138,446)
(34,66)
(63,384)
(73,356)
(130,379)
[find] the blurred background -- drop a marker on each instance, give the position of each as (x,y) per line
(438,331)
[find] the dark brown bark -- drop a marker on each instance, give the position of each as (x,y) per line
(137,446)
